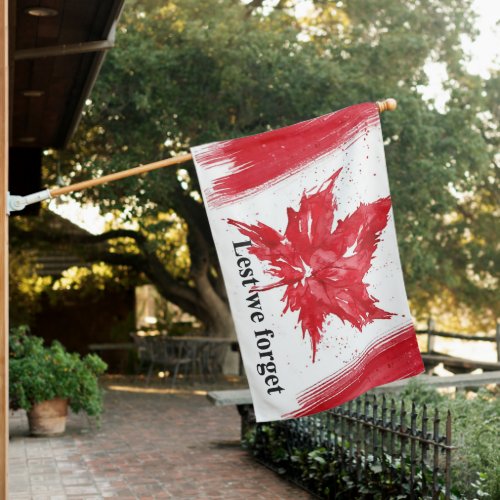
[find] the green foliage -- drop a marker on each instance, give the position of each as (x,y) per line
(476,434)
(29,292)
(421,394)
(475,464)
(38,373)
(25,286)
(188,72)
(333,473)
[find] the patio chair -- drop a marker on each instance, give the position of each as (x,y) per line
(157,351)
(213,359)
(143,350)
(174,356)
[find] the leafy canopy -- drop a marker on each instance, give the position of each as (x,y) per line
(186,72)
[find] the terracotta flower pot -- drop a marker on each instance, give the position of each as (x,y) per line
(48,417)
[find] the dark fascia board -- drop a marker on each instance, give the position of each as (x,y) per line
(93,73)
(63,50)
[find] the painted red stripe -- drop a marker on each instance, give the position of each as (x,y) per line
(260,161)
(331,385)
(394,360)
(319,388)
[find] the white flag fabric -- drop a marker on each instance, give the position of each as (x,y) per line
(303,225)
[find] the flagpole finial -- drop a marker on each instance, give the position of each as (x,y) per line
(387,105)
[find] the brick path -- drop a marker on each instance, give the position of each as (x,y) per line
(149,446)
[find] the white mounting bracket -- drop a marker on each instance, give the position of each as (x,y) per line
(16,203)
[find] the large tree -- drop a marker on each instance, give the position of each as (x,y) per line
(185,72)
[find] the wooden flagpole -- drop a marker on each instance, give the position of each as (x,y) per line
(121,175)
(386,105)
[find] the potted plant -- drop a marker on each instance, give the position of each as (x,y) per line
(45,380)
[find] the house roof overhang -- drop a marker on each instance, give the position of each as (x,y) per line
(57,48)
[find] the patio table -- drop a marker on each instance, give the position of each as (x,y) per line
(206,353)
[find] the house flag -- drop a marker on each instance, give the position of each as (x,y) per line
(303,225)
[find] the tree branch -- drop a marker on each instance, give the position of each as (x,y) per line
(118,233)
(135,261)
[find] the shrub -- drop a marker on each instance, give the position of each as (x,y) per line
(38,373)
(475,464)
(325,471)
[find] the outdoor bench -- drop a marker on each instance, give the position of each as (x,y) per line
(240,398)
(243,401)
(111,346)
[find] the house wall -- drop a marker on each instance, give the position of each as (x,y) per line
(77,320)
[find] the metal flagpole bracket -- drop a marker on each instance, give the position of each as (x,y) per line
(16,203)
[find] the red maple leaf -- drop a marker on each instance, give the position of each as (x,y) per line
(322,268)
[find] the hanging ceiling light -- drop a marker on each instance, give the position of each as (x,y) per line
(33,93)
(41,11)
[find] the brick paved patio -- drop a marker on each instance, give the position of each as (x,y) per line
(150,445)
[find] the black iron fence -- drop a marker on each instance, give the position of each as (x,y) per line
(368,448)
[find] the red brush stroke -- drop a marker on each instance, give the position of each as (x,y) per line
(393,358)
(260,161)
(323,268)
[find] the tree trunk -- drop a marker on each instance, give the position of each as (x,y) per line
(221,322)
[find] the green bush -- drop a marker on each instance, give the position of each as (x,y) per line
(475,434)
(38,373)
(332,473)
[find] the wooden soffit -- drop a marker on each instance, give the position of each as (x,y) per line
(56,50)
